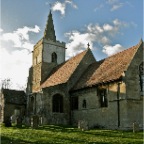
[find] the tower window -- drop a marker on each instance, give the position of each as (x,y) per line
(54,57)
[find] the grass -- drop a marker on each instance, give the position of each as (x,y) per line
(51,134)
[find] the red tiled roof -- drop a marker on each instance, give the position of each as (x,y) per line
(63,72)
(107,70)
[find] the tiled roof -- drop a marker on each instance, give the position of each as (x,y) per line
(14,96)
(63,72)
(107,70)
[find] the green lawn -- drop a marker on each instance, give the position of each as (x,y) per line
(50,134)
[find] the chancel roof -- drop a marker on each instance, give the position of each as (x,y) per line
(63,72)
(107,70)
(104,71)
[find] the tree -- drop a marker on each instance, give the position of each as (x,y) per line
(6,83)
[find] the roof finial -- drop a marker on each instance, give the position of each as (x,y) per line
(88,45)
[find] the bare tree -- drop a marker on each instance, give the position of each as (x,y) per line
(6,83)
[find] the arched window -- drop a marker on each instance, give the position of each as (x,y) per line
(57,103)
(141,76)
(54,57)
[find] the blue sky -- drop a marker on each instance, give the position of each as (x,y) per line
(109,26)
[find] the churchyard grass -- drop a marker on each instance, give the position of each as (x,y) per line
(51,134)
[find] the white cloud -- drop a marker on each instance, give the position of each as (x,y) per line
(61,7)
(110,50)
(112,1)
(77,42)
(15,66)
(20,37)
(15,60)
(115,4)
(93,34)
(1,30)
(99,7)
(71,3)
(107,27)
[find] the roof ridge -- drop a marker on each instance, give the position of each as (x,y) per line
(77,54)
(62,73)
(108,69)
(137,45)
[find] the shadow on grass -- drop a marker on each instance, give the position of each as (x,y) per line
(52,128)
(70,135)
(8,140)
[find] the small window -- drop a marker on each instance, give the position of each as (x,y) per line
(74,103)
(103,98)
(84,104)
(54,57)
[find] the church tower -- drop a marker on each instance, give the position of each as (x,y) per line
(47,53)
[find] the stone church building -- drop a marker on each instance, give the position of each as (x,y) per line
(106,93)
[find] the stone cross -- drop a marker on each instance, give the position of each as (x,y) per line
(88,45)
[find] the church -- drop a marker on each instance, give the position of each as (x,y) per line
(106,93)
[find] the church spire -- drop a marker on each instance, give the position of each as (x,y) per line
(49,30)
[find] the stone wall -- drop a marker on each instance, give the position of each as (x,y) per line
(2,105)
(135,113)
(132,76)
(44,105)
(98,116)
(42,60)
(37,53)
(29,82)
(49,47)
(134,94)
(37,64)
(130,101)
(83,65)
(9,110)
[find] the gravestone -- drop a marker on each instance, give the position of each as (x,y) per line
(135,127)
(27,121)
(19,121)
(35,121)
(83,125)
